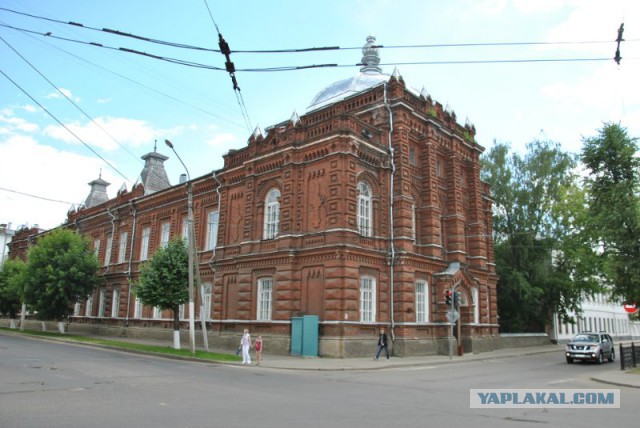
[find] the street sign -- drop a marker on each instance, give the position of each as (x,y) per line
(630,308)
(453,315)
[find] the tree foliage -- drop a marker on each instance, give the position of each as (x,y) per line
(12,284)
(536,198)
(164,279)
(61,270)
(614,207)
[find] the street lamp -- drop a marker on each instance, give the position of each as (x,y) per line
(192,327)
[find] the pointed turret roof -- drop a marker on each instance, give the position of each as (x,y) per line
(98,192)
(153,175)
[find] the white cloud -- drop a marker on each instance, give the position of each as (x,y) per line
(44,172)
(10,124)
(30,108)
(221,139)
(67,93)
(125,131)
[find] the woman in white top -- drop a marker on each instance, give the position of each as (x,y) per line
(246,345)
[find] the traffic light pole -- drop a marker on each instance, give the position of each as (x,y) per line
(452,319)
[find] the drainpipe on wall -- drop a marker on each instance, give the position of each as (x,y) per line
(133,234)
(210,263)
(392,248)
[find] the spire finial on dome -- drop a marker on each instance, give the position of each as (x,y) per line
(370,57)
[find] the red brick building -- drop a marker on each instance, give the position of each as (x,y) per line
(363,211)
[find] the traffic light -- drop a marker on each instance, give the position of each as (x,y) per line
(448,295)
(456,299)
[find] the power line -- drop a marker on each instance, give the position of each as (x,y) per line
(308,49)
(36,197)
(64,126)
(304,67)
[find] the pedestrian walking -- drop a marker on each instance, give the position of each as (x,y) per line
(382,344)
(245,342)
(258,346)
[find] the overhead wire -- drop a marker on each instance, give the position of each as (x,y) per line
(17,85)
(36,196)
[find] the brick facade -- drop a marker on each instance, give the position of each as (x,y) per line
(427,227)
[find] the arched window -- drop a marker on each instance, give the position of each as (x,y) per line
(271,214)
(365,222)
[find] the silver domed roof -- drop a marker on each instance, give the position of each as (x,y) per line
(370,76)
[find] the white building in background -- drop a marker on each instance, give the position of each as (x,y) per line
(599,314)
(6,233)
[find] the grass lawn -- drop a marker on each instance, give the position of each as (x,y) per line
(152,349)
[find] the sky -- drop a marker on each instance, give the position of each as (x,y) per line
(115,105)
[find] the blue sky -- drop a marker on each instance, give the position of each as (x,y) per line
(138,100)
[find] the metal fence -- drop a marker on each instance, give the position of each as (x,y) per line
(629,356)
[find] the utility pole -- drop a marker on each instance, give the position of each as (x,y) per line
(192,328)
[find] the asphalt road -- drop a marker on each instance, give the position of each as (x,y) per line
(53,384)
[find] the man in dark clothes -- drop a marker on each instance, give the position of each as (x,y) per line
(382,344)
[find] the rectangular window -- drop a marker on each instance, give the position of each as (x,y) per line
(101,302)
(122,251)
(212,230)
(107,250)
(144,245)
(115,304)
(96,247)
(76,309)
(88,310)
(476,305)
(414,223)
(164,234)
(137,310)
(265,288)
(185,230)
(422,302)
(367,299)
(181,311)
(157,313)
(412,155)
(207,301)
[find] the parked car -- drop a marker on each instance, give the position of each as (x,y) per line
(589,346)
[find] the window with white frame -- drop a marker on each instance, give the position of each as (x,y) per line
(101,302)
(96,247)
(422,302)
(122,251)
(88,309)
(364,209)
(76,309)
(207,301)
(157,313)
(107,250)
(185,230)
(181,311)
(144,245)
(271,214)
(137,308)
(165,230)
(265,292)
(476,305)
(115,303)
(367,299)
(212,230)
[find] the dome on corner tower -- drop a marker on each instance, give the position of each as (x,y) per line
(370,75)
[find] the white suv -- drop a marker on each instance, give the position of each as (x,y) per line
(590,347)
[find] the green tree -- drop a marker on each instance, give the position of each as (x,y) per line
(12,282)
(529,222)
(61,270)
(614,207)
(164,281)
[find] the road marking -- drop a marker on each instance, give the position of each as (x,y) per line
(561,381)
